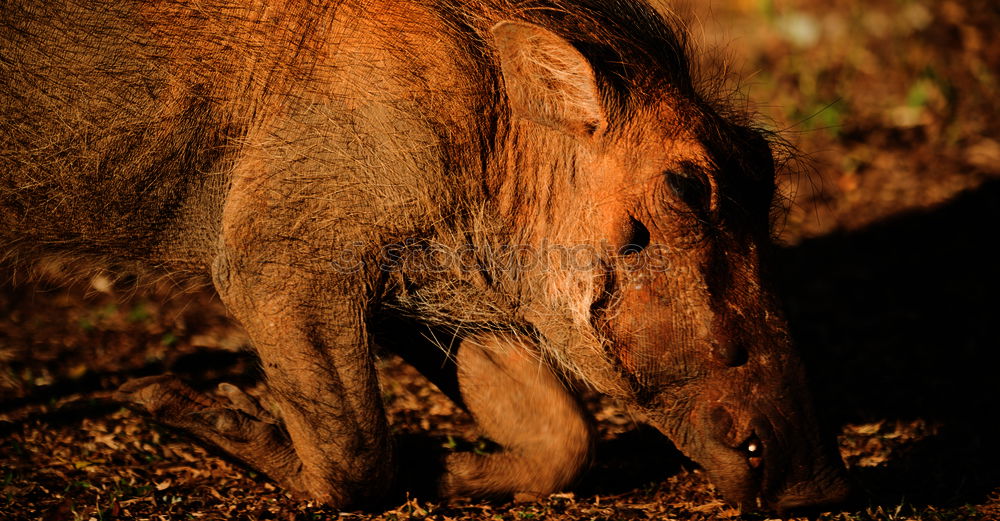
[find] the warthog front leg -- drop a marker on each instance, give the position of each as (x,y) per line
(311,337)
(330,440)
(516,400)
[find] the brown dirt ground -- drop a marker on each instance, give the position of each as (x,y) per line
(887,269)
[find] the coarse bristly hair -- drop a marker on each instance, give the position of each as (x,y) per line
(192,98)
(634,49)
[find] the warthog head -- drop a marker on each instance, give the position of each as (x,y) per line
(681,196)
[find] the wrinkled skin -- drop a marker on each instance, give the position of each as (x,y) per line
(282,150)
(704,343)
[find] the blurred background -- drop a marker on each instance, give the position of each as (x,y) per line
(891,102)
(887,266)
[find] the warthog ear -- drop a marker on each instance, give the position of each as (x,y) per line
(548,81)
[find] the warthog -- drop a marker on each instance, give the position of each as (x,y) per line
(539,182)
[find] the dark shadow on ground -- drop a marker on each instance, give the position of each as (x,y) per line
(631,460)
(203,369)
(899,321)
(70,413)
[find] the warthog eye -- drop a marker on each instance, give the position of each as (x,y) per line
(730,353)
(753,449)
(636,238)
(692,187)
